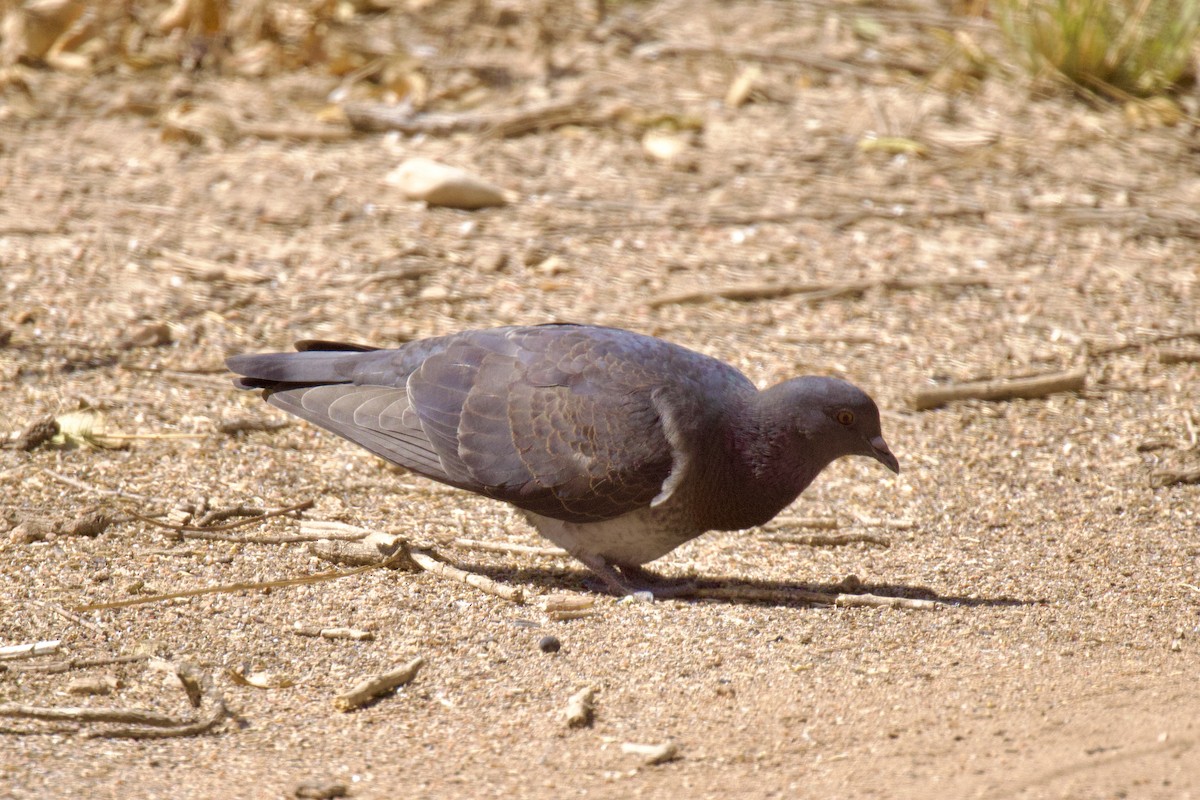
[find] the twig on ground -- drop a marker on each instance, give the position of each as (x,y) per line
(813,291)
(429,563)
(198,688)
(229,589)
(330,529)
(206,269)
(1178,355)
(505,547)
(333,633)
(33,649)
(402,274)
(55,667)
(837,218)
(368,690)
(852,65)
(652,753)
(377,117)
(752,593)
(828,539)
(1072,380)
(72,714)
(375,549)
(220,514)
(56,609)
(893,524)
(234,425)
(1169,477)
(213,532)
(822,523)
(563,606)
(1094,351)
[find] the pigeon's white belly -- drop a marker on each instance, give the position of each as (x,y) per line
(631,540)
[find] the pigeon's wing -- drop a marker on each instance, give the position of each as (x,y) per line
(559,420)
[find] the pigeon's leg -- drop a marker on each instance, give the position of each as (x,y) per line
(626,580)
(657,585)
(614,581)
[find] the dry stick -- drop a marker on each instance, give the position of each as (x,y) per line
(812,291)
(807,596)
(427,562)
(1178,355)
(220,514)
(368,690)
(828,539)
(652,753)
(208,270)
(378,117)
(861,68)
(404,274)
(504,547)
(230,588)
(1168,477)
(70,714)
(894,524)
(191,531)
(330,529)
(1193,333)
(1001,388)
(58,610)
(824,523)
(839,219)
(333,633)
(203,725)
(15,651)
(234,425)
(55,667)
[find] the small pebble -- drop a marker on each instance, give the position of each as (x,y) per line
(316,790)
(549,644)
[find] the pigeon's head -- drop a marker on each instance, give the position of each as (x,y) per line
(835,416)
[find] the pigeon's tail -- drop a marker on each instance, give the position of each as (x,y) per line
(317,363)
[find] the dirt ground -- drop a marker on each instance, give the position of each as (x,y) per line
(1030,232)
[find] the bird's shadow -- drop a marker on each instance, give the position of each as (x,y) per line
(756,592)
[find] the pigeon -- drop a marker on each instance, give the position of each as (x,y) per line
(617,446)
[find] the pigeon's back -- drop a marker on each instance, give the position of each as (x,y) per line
(578,423)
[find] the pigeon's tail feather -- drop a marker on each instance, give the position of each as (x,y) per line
(283,370)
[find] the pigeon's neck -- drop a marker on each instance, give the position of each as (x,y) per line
(768,463)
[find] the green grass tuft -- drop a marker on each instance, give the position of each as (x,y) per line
(1139,47)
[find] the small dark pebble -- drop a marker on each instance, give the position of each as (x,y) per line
(549,644)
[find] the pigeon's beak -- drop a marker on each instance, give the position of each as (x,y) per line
(883,454)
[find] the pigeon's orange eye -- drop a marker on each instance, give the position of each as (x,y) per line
(845,417)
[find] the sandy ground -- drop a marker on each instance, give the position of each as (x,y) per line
(1033,233)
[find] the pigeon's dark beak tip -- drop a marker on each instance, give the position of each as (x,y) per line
(883,454)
